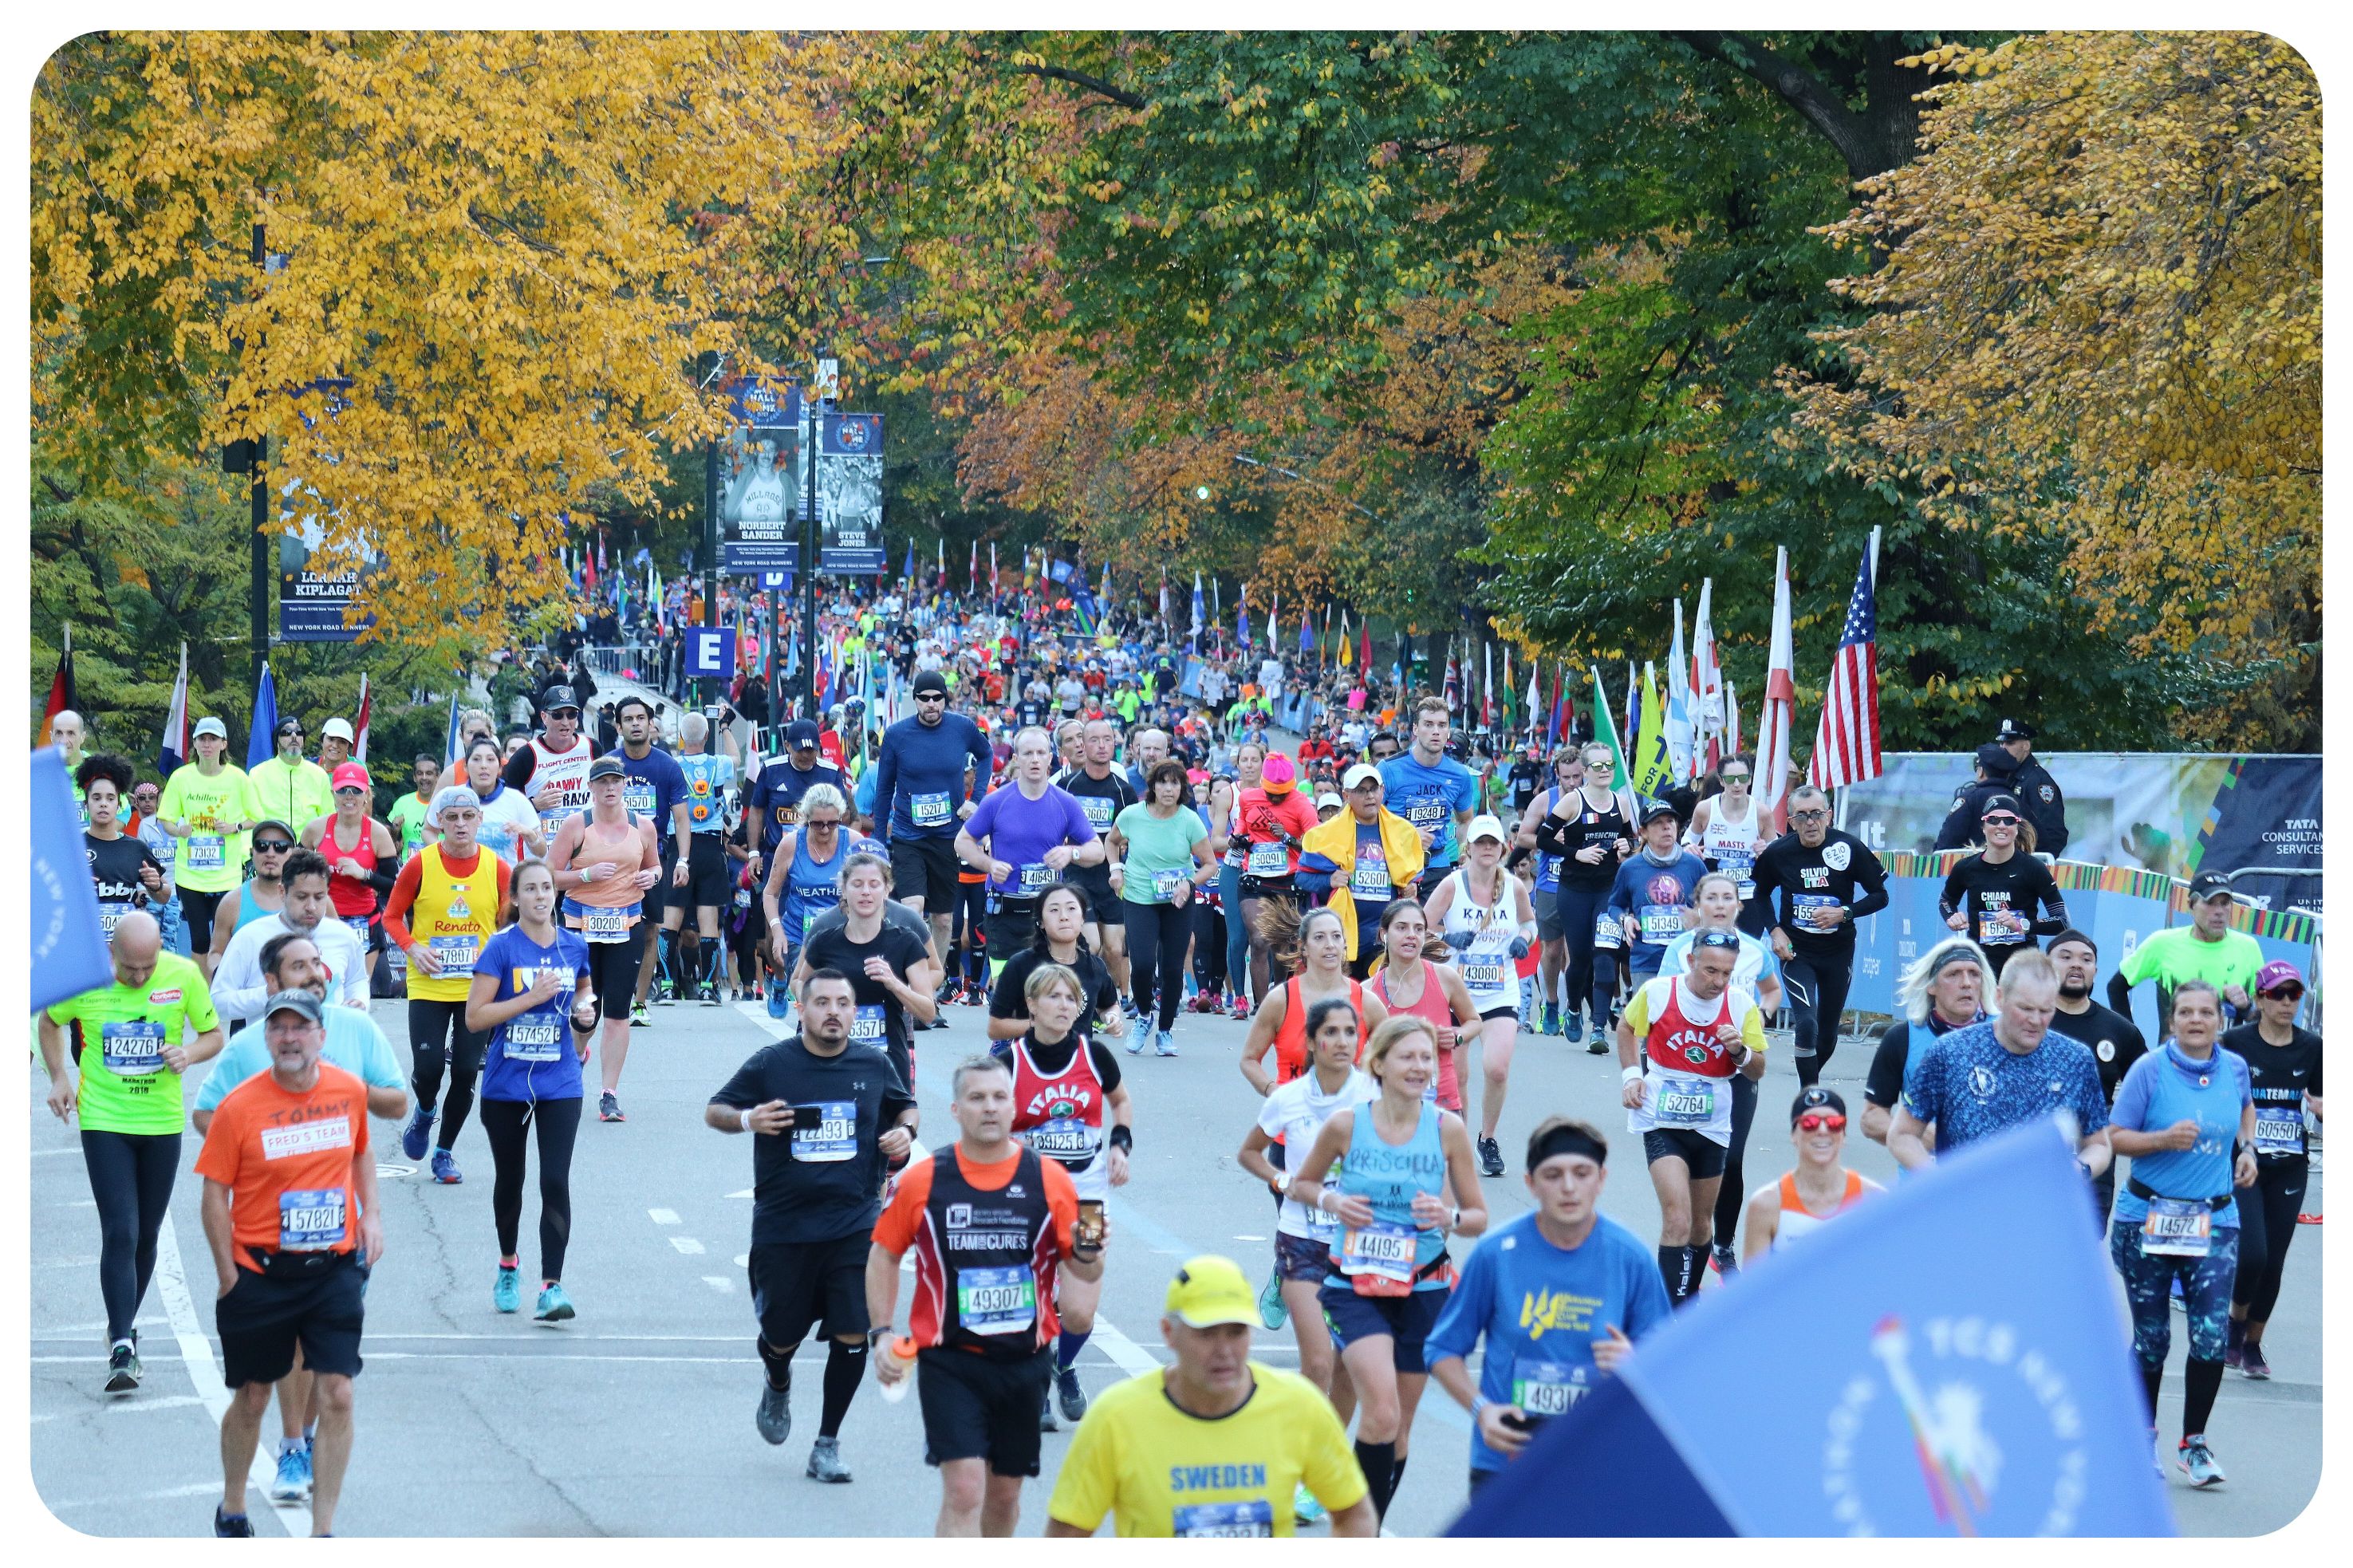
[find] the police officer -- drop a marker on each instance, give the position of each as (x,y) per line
(2035,788)
(1996,777)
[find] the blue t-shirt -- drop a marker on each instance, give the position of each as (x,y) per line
(1972,1086)
(651,786)
(1656,896)
(1429,798)
(353,1044)
(1541,1307)
(778,790)
(1755,965)
(1018,831)
(707,778)
(530,1057)
(2166,1087)
(920,773)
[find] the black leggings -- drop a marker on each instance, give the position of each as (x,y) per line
(1208,945)
(1817,992)
(431,1026)
(1732,1189)
(1590,976)
(1155,944)
(198,909)
(2267,1214)
(507,1123)
(130,1176)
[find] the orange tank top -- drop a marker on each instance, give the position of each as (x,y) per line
(1291,1036)
(627,854)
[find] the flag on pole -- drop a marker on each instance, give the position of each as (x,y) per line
(1679,727)
(1707,686)
(174,749)
(1163,597)
(1241,615)
(61,686)
(1731,721)
(1198,613)
(1781,701)
(907,573)
(261,739)
(587,570)
(1347,648)
(1273,620)
(449,745)
(1846,746)
(992,566)
(1654,764)
(1452,679)
(1536,714)
(1605,732)
(1307,634)
(1487,685)
(940,562)
(1364,646)
(971,568)
(360,725)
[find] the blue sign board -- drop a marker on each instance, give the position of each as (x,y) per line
(711,653)
(776,581)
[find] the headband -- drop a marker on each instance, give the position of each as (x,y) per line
(1566,1140)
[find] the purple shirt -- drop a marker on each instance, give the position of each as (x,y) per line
(1018,831)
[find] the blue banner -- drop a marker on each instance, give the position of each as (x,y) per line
(711,653)
(776,406)
(761,558)
(849,494)
(70,953)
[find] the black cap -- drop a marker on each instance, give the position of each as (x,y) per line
(1653,811)
(931,681)
(2012,730)
(1995,761)
(558,696)
(801,732)
(1815,1098)
(2209,884)
(606,768)
(2008,803)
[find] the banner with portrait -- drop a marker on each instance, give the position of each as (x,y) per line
(763,479)
(850,493)
(315,586)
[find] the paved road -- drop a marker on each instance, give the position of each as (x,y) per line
(636,1420)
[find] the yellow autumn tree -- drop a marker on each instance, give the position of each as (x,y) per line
(495,259)
(2098,309)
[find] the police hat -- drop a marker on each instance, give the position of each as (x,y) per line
(1995,761)
(2011,729)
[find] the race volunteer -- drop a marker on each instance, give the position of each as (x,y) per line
(238,986)
(829,1116)
(604,860)
(1215,1447)
(1433,791)
(1679,1043)
(653,787)
(1589,834)
(1569,774)
(131,1041)
(1488,925)
(1033,830)
(206,808)
(1725,831)
(291,1215)
(2116,1041)
(707,883)
(1161,862)
(361,853)
(286,785)
(1359,862)
(1819,1190)
(444,908)
(1103,792)
(1070,1106)
(123,871)
(510,825)
(1813,883)
(2283,1068)
(992,1225)
(1943,989)
(1559,1294)
(550,770)
(2206,949)
(2002,898)
(2182,1111)
(531,981)
(921,798)
(890,971)
(1061,920)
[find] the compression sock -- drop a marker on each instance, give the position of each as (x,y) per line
(1066,1351)
(844,1366)
(1694,1266)
(1397,1475)
(1378,1460)
(667,958)
(2202,1380)
(2152,1378)
(1671,1264)
(779,1363)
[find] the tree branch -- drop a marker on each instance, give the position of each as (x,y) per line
(1800,90)
(1094,84)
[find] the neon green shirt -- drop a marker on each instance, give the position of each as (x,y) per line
(118,1033)
(2175,954)
(205,860)
(407,815)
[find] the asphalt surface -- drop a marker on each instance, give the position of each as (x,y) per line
(636,1418)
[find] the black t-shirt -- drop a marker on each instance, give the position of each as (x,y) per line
(114,866)
(2007,905)
(776,794)
(1029,711)
(1102,799)
(817,1185)
(1583,827)
(2114,1040)
(1007,999)
(1525,779)
(902,951)
(2281,1076)
(1792,878)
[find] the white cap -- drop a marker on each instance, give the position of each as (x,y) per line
(336,730)
(1362,773)
(210,727)
(1328,798)
(1485,826)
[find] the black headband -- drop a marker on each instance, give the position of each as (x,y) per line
(1566,1140)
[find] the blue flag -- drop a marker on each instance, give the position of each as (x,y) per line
(261,741)
(1200,611)
(449,746)
(69,945)
(1950,1364)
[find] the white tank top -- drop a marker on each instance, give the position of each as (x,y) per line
(1486,966)
(1727,843)
(1796,1220)
(565,771)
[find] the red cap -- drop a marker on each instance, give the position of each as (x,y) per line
(351,775)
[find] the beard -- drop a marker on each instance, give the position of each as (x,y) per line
(2075,992)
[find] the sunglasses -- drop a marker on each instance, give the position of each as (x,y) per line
(1817,1122)
(272,846)
(2292,993)
(1809,816)
(351,789)
(1998,821)
(1732,778)
(931,697)
(286,730)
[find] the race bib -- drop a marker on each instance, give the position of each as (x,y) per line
(1607,934)
(929,810)
(2004,926)
(1164,885)
(132,1047)
(2278,1133)
(1426,813)
(457,954)
(1683,1101)
(832,1140)
(1378,1257)
(531,1039)
(608,925)
(1370,880)
(207,852)
(110,915)
(1065,1137)
(1813,912)
(1250,1521)
(1098,810)
(996,1300)
(1268,860)
(1661,923)
(637,795)
(309,1219)
(2177,1228)
(869,1023)
(1482,974)
(1033,876)
(1545,1389)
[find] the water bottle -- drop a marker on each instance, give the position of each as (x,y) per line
(899,1351)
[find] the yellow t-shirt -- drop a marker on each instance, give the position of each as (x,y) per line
(1161,1472)
(207,860)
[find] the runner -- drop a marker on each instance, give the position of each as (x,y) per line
(1945,988)
(993,1227)
(1819,1189)
(550,770)
(1034,831)
(922,796)
(263,892)
(1560,1295)
(1488,925)
(238,986)
(1363,859)
(1808,882)
(1203,1448)
(1544,893)
(2115,1040)
(889,969)
(1432,992)
(1104,790)
(361,855)
(2284,1071)
(1588,833)
(122,868)
(1159,861)
(654,788)
(775,803)
(604,860)
(408,814)
(204,806)
(1409,1181)
(2002,898)
(830,1116)
(1314,948)
(1433,791)
(444,908)
(1224,841)
(1725,831)
(2181,1112)
(1652,889)
(705,885)
(805,876)
(131,1041)
(1270,821)
(511,826)
(2206,949)
(1070,1106)
(287,784)
(1680,1039)
(1061,920)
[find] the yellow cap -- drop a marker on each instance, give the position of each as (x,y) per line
(1210,1290)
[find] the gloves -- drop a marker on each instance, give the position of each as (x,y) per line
(1460,941)
(1519,948)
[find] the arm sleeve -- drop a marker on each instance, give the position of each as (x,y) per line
(1949,897)
(2054,906)
(519,769)
(1106,1065)
(1873,877)
(2120,993)
(404,898)
(1885,1085)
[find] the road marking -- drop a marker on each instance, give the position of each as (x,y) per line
(662,1216)
(719,1283)
(687,1244)
(171,1402)
(747,1192)
(743,1261)
(196,1352)
(194,1489)
(69,1149)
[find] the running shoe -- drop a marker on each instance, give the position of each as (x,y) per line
(445,1168)
(779,1002)
(419,1130)
(1270,1310)
(1599,1047)
(235,1524)
(639,1016)
(1724,1261)
(2197,1462)
(774,1416)
(123,1370)
(1551,1019)
(664,992)
(293,1482)
(608,1107)
(1304,1509)
(1136,1034)
(1490,1158)
(1163,1044)
(1073,1397)
(1573,1028)
(708,994)
(2251,1362)
(554,1306)
(825,1462)
(506,1295)
(1242,1009)
(1046,1422)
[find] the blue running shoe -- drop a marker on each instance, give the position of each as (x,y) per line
(507,1294)
(1164,1043)
(554,1306)
(2198,1464)
(1551,1018)
(1573,1028)
(293,1482)
(412,1137)
(445,1168)
(780,1005)
(1270,1310)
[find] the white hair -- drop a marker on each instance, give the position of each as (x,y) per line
(1911,990)
(693,729)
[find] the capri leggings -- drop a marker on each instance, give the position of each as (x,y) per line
(439,1042)
(198,909)
(1817,992)
(130,1176)
(1588,978)
(2205,1296)
(507,1123)
(2267,1214)
(1229,894)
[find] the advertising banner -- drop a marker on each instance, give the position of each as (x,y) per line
(850,493)
(313,592)
(763,476)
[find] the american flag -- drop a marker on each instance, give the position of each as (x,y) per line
(1846,747)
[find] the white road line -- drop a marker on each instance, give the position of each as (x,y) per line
(747,1192)
(662,1216)
(687,1244)
(719,1283)
(140,1407)
(194,1489)
(196,1352)
(69,1149)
